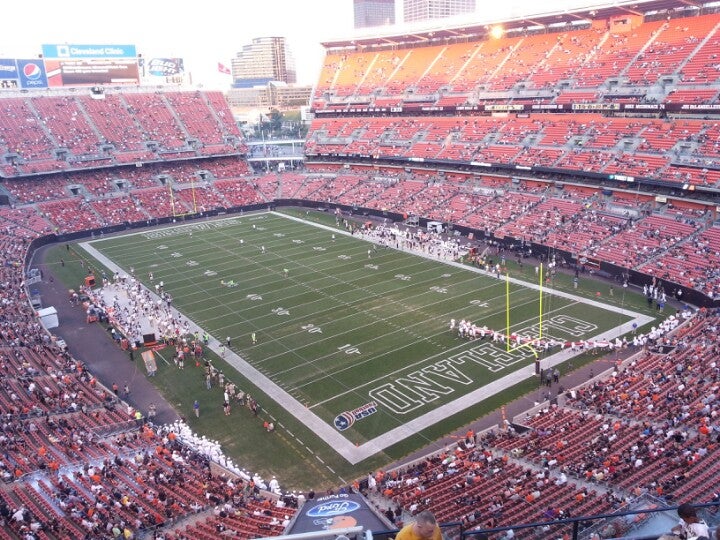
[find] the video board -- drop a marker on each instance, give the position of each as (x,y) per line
(90,65)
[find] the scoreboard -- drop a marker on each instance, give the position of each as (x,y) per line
(90,65)
(73,65)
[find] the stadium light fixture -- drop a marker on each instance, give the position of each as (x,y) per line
(497,31)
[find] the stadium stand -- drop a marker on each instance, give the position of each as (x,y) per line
(45,134)
(118,210)
(591,143)
(632,432)
(70,215)
(76,461)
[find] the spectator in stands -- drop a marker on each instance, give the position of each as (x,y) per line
(424,527)
(690,526)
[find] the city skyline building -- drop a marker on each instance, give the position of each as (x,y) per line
(425,10)
(372,13)
(263,60)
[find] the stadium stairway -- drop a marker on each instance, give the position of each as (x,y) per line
(31,107)
(176,116)
(89,119)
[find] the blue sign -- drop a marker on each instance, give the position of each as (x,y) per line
(8,68)
(89,51)
(32,74)
(332,508)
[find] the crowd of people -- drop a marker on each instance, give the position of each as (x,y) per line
(76,460)
(134,310)
(652,338)
(429,243)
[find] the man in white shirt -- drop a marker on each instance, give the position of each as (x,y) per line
(690,526)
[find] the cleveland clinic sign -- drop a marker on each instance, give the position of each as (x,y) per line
(88,51)
(90,65)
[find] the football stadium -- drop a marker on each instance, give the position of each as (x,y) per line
(484,299)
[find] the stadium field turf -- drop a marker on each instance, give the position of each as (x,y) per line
(354,337)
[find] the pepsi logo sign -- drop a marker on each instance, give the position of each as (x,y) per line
(32,72)
(333,508)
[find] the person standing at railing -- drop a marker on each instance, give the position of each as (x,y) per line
(690,526)
(424,527)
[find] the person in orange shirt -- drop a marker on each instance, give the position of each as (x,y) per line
(424,527)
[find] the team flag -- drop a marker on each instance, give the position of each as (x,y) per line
(222,68)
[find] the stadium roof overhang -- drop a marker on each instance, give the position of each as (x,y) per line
(481,28)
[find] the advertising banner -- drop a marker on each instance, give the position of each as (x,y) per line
(9,77)
(165,67)
(8,68)
(32,74)
(336,512)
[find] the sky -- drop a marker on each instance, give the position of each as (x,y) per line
(203,33)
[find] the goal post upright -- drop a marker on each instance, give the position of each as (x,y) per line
(192,187)
(508,339)
(541,301)
(172,197)
(507,311)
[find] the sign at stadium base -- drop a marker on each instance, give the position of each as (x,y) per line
(336,512)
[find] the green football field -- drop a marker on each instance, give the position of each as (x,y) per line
(353,337)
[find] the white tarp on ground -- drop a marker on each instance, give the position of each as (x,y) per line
(48,317)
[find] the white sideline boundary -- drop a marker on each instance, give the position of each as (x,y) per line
(348,450)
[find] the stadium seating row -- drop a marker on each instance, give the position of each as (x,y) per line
(680,151)
(75,460)
(638,54)
(55,133)
(628,229)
